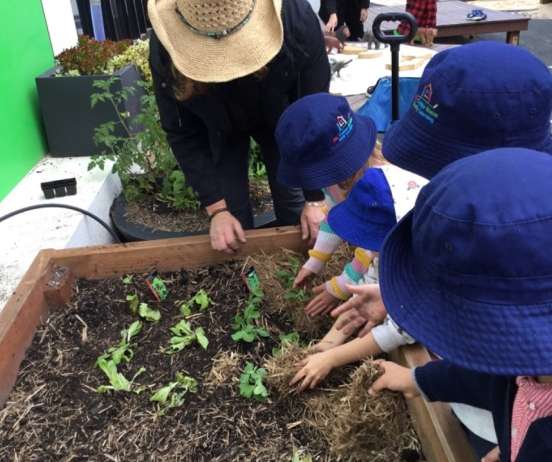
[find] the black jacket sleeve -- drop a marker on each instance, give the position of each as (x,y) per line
(314,73)
(442,381)
(188,138)
(329,6)
(365,3)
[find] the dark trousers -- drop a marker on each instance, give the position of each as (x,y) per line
(480,446)
(233,169)
(348,12)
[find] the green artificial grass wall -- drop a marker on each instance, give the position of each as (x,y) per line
(25,52)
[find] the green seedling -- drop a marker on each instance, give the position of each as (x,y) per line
(114,356)
(159,288)
(128,279)
(172,394)
(149,314)
(251,382)
(117,381)
(300,456)
(200,299)
(244,324)
(133,303)
(287,276)
(184,336)
(296,295)
(287,339)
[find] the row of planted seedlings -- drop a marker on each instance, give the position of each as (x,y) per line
(193,365)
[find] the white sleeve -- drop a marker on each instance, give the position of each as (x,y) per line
(389,336)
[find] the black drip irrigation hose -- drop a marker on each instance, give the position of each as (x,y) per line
(108,228)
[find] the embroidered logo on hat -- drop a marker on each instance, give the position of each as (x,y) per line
(422,104)
(344,128)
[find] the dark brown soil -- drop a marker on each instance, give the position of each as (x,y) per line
(54,413)
(155,214)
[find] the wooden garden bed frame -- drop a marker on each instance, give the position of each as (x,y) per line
(48,285)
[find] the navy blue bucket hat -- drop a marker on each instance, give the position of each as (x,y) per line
(368,213)
(322,142)
(470,99)
(468,272)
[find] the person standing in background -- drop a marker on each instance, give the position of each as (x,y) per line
(352,13)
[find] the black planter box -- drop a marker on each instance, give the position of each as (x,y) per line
(70,120)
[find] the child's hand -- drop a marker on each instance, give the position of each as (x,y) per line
(322,303)
(365,311)
(302,277)
(395,378)
(313,369)
(493,456)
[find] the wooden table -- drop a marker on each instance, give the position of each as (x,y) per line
(451,20)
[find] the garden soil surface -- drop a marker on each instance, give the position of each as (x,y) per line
(54,413)
(155,214)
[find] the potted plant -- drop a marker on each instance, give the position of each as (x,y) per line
(65,90)
(156,202)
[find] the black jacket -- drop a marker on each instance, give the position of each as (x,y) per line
(328,7)
(198,129)
(442,381)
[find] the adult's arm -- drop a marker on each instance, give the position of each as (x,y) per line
(442,381)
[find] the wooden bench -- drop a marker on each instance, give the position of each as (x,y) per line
(451,20)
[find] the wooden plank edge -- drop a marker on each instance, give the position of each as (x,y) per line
(23,312)
(442,438)
(168,254)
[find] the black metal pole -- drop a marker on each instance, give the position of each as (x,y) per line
(395,92)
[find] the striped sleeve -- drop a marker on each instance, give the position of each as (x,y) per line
(352,274)
(326,244)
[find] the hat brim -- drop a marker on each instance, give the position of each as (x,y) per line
(346,161)
(356,231)
(206,59)
(425,153)
(495,339)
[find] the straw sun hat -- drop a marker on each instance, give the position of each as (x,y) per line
(218,40)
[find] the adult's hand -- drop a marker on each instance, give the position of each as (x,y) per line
(311,217)
(332,23)
(226,232)
(363,14)
(332,43)
(364,311)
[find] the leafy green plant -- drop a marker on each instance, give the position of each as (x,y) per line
(137,54)
(114,356)
(287,339)
(245,325)
(257,168)
(90,56)
(251,382)
(172,394)
(133,303)
(287,277)
(200,299)
(141,157)
(145,312)
(127,280)
(159,287)
(185,335)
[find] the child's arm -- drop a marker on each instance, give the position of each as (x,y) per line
(335,290)
(437,381)
(326,244)
(316,367)
(389,336)
(333,338)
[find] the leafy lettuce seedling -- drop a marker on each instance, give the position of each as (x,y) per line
(251,382)
(184,335)
(149,314)
(244,324)
(287,339)
(200,299)
(133,302)
(172,394)
(109,361)
(128,279)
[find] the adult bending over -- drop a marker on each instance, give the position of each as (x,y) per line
(223,72)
